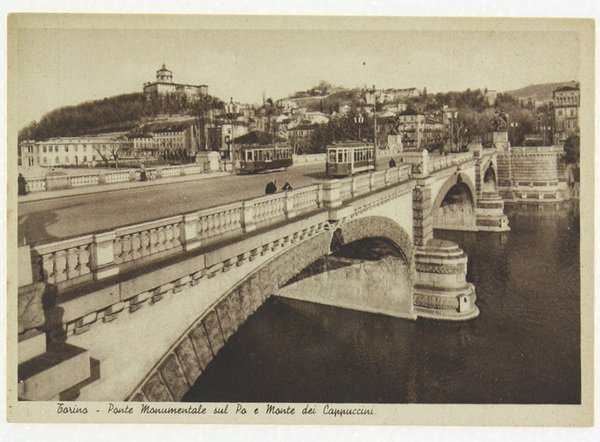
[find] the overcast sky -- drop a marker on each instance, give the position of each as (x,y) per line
(57,67)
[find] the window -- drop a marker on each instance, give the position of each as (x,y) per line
(44,148)
(66,148)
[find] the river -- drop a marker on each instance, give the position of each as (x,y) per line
(523,348)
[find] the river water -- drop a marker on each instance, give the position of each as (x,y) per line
(523,348)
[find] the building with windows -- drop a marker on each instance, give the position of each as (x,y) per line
(411,125)
(565,106)
(421,131)
(164,86)
(72,151)
(300,135)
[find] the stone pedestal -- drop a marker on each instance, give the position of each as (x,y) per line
(209,161)
(44,373)
(47,375)
(489,213)
(500,141)
(441,290)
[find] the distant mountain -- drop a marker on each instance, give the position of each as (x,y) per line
(540,92)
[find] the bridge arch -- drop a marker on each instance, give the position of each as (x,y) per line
(489,180)
(183,362)
(454,205)
(376,227)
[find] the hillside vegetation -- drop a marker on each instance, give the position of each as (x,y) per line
(541,92)
(118,113)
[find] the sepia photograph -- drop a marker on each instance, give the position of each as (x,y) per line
(307,220)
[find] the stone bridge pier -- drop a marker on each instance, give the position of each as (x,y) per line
(440,289)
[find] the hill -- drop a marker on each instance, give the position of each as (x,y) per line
(118,113)
(540,92)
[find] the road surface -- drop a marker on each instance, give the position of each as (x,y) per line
(71,216)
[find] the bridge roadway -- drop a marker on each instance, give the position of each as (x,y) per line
(69,216)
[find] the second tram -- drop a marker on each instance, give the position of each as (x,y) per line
(346,159)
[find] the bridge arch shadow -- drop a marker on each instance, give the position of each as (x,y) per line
(454,205)
(490,180)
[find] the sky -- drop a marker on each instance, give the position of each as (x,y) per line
(58,67)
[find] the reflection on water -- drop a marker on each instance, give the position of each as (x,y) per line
(523,348)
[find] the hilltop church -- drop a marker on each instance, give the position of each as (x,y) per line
(164,86)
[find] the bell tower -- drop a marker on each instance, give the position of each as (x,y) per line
(163,75)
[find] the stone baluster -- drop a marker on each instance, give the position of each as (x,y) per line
(48,268)
(161,239)
(126,248)
(73,263)
(190,232)
(136,243)
(247,217)
(84,260)
(102,257)
(60,266)
(169,235)
(145,243)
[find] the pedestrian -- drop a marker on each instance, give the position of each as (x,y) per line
(22,185)
(271,187)
(392,163)
(143,174)
(287,186)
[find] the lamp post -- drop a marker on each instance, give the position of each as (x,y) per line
(230,111)
(514,125)
(372,100)
(359,120)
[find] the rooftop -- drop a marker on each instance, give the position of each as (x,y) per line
(566,88)
(258,137)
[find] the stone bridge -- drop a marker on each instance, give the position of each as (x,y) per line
(138,312)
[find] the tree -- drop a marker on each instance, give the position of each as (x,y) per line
(572,149)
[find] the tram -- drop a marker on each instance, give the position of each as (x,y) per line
(261,157)
(346,159)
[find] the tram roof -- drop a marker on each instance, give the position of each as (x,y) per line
(266,146)
(347,144)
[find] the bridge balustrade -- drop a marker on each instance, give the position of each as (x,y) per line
(83,180)
(120,176)
(104,254)
(36,184)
